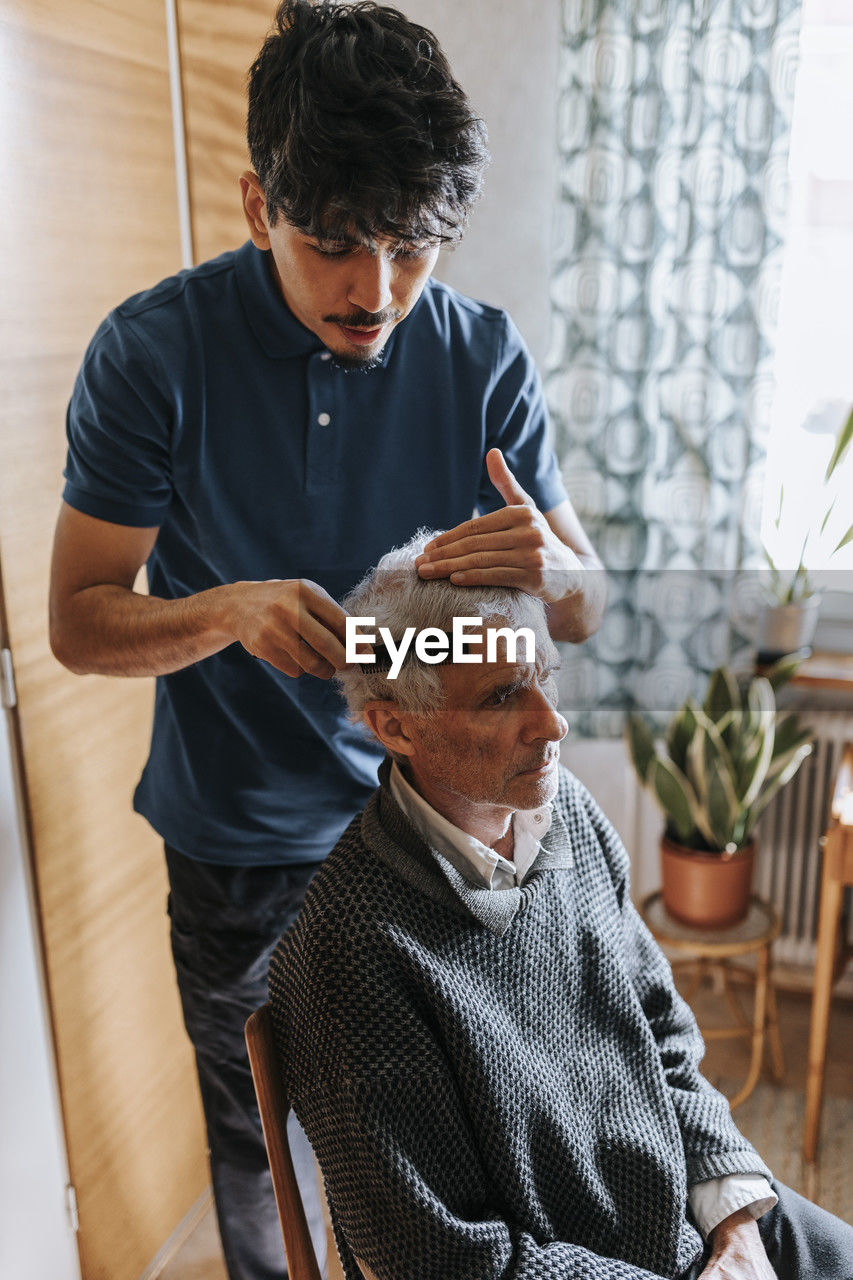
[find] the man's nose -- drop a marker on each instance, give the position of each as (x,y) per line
(543,720)
(370,285)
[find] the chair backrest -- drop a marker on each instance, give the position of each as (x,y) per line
(274,1108)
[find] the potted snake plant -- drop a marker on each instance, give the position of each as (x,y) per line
(721,764)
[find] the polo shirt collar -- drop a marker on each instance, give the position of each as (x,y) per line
(274,325)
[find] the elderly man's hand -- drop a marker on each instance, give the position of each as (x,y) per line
(738,1252)
(513,547)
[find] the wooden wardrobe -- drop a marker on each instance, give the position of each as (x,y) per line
(111,108)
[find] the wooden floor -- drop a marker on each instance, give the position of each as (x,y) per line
(771,1119)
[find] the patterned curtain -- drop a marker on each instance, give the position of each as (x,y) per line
(673,130)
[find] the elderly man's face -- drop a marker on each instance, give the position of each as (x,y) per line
(496,742)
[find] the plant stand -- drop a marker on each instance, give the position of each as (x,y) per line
(717,952)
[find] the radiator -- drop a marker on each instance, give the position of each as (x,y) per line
(787,871)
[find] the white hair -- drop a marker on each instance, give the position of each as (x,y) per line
(395,595)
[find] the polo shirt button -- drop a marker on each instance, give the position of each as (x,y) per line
(323,419)
(327,355)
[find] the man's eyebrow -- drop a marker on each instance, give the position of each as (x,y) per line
(349,241)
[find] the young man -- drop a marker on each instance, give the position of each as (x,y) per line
(481,1038)
(257,430)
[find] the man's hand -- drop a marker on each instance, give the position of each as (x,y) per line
(293,624)
(738,1253)
(513,547)
(100,624)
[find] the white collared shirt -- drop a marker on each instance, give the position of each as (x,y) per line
(710,1201)
(471,858)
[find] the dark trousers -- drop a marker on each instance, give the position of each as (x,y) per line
(802,1241)
(225,923)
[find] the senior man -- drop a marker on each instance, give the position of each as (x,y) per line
(479,1036)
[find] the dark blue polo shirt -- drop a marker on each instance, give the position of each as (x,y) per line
(205,408)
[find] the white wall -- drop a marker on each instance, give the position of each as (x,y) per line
(504,54)
(36,1241)
(605,770)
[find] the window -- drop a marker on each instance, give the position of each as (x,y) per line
(814,359)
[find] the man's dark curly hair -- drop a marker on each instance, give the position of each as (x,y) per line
(357,127)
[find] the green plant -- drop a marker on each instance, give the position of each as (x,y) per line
(798,586)
(724,760)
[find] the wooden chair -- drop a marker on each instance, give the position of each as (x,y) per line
(836,873)
(275,1108)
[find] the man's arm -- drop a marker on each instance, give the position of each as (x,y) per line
(577,615)
(99,624)
(738,1251)
(713,1145)
(547,555)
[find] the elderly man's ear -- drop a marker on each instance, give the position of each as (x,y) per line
(390,726)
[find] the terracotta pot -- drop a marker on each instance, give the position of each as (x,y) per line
(706,890)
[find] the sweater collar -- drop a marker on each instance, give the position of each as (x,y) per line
(390,834)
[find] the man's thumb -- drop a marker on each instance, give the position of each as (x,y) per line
(504,481)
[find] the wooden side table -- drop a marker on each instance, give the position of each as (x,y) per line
(836,874)
(718,951)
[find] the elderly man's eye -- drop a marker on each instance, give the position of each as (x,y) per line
(548,685)
(498,696)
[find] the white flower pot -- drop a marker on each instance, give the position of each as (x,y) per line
(785,628)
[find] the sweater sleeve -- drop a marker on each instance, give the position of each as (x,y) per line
(407,1192)
(713,1145)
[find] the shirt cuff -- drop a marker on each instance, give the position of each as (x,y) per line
(714,1199)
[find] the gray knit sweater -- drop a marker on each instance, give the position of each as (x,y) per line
(496,1084)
